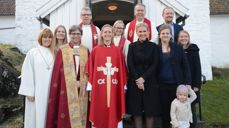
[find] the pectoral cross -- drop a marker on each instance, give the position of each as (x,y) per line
(108,71)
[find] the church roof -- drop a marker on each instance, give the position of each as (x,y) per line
(177,6)
(52,5)
(218,7)
(7,7)
(49,7)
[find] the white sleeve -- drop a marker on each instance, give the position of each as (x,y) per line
(98,33)
(174,120)
(154,33)
(192,95)
(125,49)
(27,87)
(89,86)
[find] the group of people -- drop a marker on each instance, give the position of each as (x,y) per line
(97,77)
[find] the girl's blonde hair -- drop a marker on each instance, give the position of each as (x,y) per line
(102,29)
(46,32)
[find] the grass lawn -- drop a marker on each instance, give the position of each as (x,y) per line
(215,100)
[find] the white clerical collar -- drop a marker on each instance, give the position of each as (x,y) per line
(117,37)
(86,25)
(137,22)
(76,46)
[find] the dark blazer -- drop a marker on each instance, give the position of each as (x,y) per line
(177,29)
(179,64)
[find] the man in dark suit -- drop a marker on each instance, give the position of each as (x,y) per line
(168,14)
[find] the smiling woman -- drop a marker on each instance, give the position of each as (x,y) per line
(142,93)
(173,71)
(35,79)
(107,79)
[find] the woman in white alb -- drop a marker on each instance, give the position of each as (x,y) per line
(35,80)
(119,39)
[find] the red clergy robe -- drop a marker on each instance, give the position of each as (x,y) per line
(58,114)
(106,112)
(132,26)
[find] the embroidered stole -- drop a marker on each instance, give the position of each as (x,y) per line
(77,97)
(131,29)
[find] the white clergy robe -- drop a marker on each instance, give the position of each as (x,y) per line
(35,81)
(87,36)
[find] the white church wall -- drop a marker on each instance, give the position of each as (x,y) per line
(198,25)
(7,29)
(220,40)
(27,26)
(67,14)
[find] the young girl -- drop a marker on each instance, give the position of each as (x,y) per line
(180,112)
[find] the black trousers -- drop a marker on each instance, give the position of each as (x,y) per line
(167,95)
(194,116)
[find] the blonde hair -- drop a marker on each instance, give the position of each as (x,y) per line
(102,29)
(46,32)
(119,22)
(182,89)
(186,32)
(142,25)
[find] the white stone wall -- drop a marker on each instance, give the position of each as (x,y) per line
(220,40)
(27,26)
(7,29)
(198,25)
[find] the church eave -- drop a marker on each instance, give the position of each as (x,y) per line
(49,7)
(177,6)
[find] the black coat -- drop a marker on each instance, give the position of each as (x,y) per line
(192,53)
(177,29)
(142,61)
(179,64)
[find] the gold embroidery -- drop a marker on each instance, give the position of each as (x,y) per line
(131,33)
(77,103)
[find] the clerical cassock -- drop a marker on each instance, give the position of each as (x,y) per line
(68,100)
(107,78)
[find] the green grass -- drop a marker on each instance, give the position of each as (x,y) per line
(215,99)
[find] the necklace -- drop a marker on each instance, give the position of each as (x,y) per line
(48,65)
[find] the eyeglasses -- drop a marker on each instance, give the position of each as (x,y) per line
(118,27)
(75,34)
(85,14)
